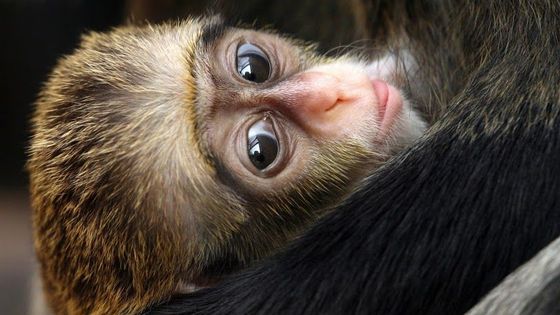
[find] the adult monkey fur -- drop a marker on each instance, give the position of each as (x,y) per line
(143,180)
(441,225)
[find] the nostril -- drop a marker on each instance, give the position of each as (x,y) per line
(331,107)
(318,92)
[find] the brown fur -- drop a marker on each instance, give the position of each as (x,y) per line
(128,205)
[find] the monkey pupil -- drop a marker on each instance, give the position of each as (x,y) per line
(248,74)
(262,151)
(262,144)
(252,63)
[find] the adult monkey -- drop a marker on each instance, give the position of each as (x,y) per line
(455,214)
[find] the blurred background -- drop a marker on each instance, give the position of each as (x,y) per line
(35,33)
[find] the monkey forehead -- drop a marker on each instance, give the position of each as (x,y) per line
(118,114)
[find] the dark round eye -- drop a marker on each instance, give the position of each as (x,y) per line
(262,144)
(252,63)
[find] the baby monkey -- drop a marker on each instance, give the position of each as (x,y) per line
(164,157)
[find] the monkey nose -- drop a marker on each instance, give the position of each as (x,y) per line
(318,94)
(331,101)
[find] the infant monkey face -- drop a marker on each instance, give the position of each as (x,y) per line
(274,109)
(187,151)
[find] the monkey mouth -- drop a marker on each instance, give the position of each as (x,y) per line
(382,92)
(389,103)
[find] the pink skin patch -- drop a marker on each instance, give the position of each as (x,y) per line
(389,103)
(329,103)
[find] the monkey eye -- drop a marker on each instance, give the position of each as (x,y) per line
(262,143)
(252,63)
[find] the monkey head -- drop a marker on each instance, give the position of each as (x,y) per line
(164,157)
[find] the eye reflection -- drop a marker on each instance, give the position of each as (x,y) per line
(262,144)
(252,63)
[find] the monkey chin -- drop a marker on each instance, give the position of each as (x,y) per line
(399,123)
